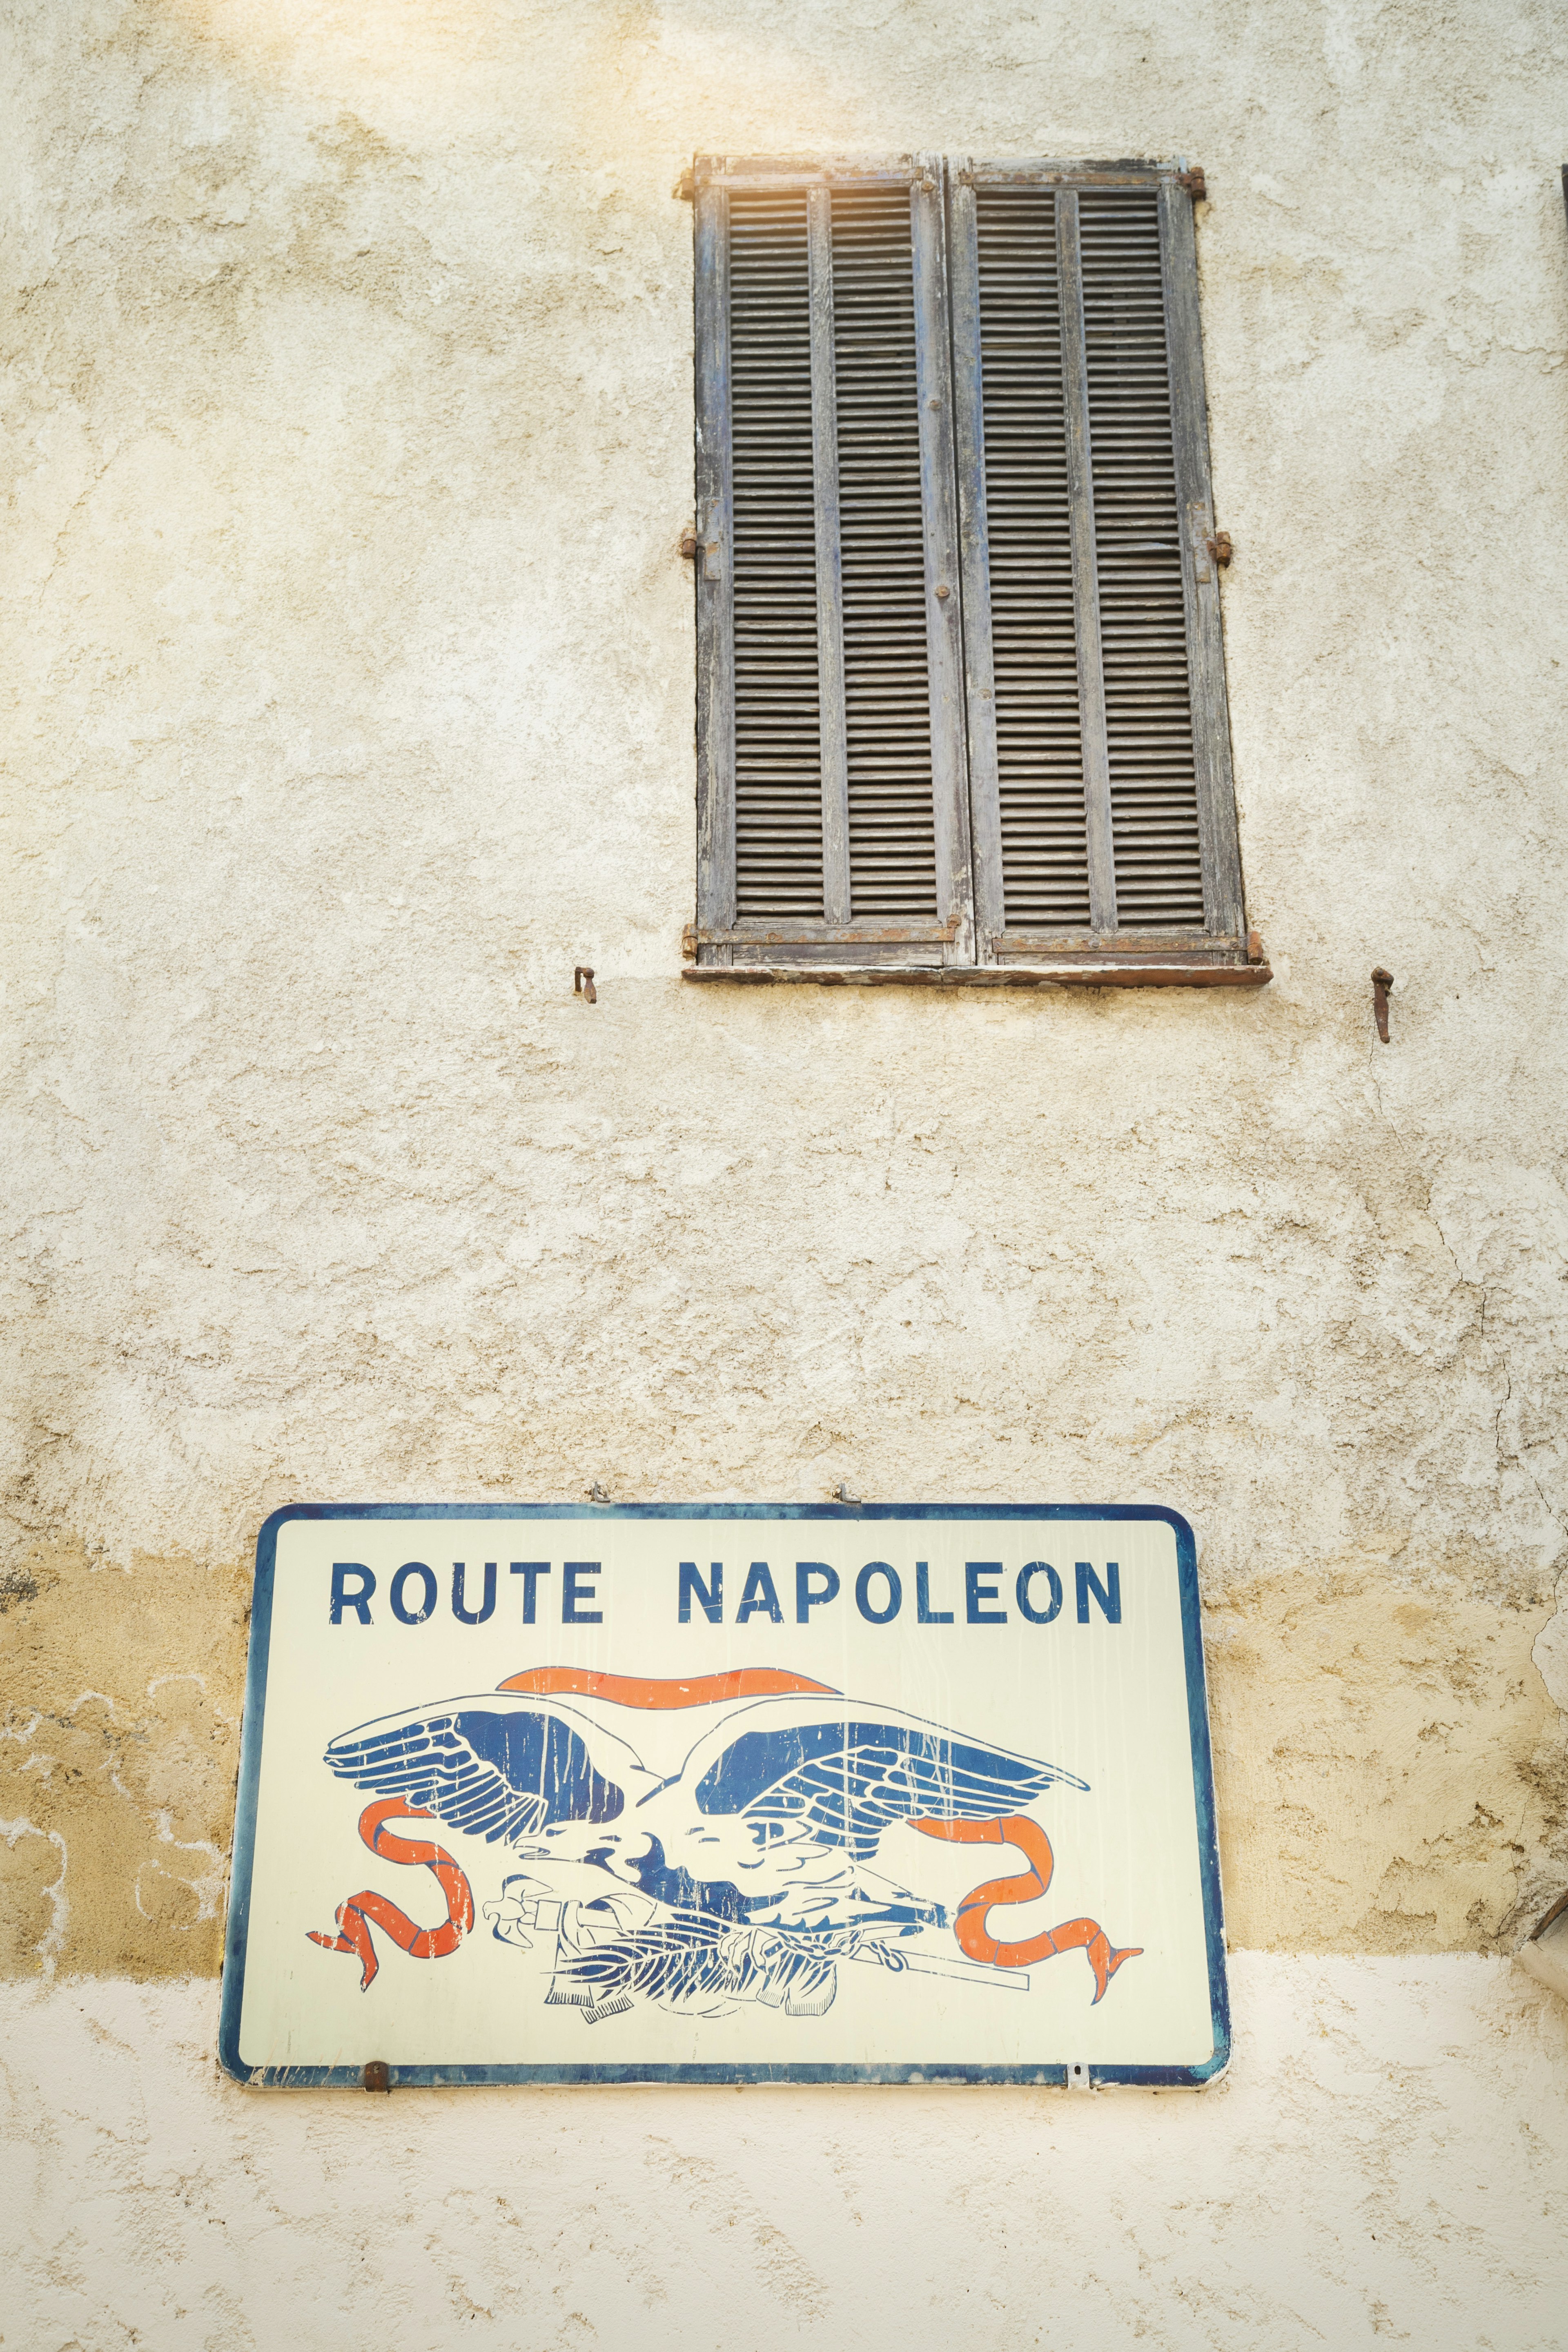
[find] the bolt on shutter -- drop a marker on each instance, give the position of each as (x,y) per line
(833,808)
(1099,745)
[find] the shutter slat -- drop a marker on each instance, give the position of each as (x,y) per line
(1102,910)
(778,761)
(1137,564)
(829,567)
(892,846)
(1039,762)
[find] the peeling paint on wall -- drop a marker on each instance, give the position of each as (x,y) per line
(1393,1776)
(119,1743)
(1390,1772)
(1551,1650)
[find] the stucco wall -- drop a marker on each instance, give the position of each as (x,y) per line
(1382,2165)
(350,662)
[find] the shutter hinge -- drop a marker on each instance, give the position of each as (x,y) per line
(709,544)
(1212,549)
(685,188)
(1193,181)
(1202,544)
(688,944)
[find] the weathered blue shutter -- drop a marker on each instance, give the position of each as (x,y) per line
(833,816)
(1100,757)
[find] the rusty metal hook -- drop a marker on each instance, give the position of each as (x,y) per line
(1382,981)
(582,982)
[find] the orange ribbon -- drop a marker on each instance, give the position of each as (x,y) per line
(970,1927)
(639,1690)
(355,1915)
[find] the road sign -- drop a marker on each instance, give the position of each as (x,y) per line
(723,1792)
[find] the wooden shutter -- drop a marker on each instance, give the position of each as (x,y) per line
(1100,754)
(832,812)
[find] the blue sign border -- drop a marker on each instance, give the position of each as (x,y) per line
(849,1513)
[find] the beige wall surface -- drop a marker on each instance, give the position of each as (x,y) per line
(1373,2171)
(349,663)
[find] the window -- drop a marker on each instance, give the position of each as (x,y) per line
(961,695)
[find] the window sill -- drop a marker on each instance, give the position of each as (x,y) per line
(1129,971)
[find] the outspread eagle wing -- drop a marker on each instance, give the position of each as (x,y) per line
(847,1778)
(493,1770)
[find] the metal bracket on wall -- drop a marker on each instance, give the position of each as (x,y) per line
(1382,981)
(582,982)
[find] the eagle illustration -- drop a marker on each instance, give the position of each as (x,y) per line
(742,1862)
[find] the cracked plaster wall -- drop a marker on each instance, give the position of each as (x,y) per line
(350,667)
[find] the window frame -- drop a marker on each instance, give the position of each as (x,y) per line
(968,940)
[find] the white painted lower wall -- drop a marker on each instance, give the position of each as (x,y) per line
(1386,2162)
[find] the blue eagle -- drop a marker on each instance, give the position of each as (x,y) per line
(745,1875)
